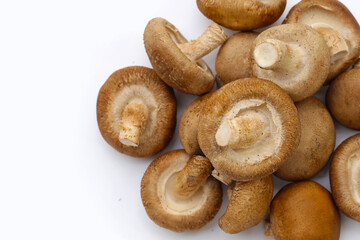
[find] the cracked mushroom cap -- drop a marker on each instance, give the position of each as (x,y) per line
(304,210)
(178,192)
(343,98)
(136,112)
(338,27)
(345,175)
(294,56)
(188,126)
(234,58)
(242,14)
(177,61)
(248,128)
(248,204)
(317,142)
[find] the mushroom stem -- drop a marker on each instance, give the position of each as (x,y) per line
(213,37)
(221,178)
(275,54)
(240,132)
(192,176)
(132,123)
(268,231)
(336,43)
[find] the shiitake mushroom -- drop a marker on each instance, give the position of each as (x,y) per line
(178,192)
(294,56)
(304,211)
(136,112)
(334,21)
(316,145)
(248,128)
(177,61)
(345,177)
(343,98)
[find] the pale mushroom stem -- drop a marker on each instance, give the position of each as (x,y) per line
(213,37)
(268,231)
(336,43)
(275,54)
(192,176)
(132,123)
(240,132)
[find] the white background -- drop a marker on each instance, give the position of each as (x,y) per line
(58,178)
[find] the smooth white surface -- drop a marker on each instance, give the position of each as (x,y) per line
(58,178)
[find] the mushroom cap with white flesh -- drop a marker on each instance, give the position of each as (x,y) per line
(136,112)
(304,211)
(177,61)
(316,145)
(248,204)
(188,126)
(178,192)
(294,56)
(234,58)
(337,25)
(242,14)
(248,128)
(343,98)
(345,177)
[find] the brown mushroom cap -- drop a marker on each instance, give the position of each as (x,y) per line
(304,210)
(177,61)
(188,126)
(234,58)
(338,26)
(317,142)
(345,177)
(294,56)
(164,206)
(137,104)
(242,14)
(248,128)
(343,98)
(248,205)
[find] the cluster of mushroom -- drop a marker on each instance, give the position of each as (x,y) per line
(262,120)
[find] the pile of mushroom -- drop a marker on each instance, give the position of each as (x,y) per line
(262,120)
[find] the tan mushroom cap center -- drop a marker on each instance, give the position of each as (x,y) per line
(133,114)
(274,54)
(250,131)
(354,176)
(332,27)
(132,124)
(213,37)
(240,132)
(336,43)
(183,188)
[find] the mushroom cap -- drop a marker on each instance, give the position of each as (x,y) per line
(137,83)
(339,18)
(170,63)
(242,14)
(234,58)
(316,145)
(343,98)
(245,98)
(176,214)
(188,126)
(248,205)
(304,210)
(305,79)
(345,175)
